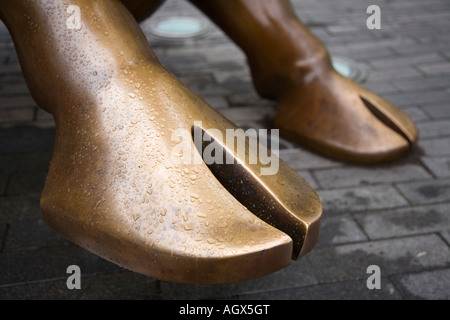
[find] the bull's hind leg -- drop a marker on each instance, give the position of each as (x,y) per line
(317,107)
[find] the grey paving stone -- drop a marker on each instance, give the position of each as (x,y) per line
(247,99)
(339,29)
(300,159)
(415,31)
(422,83)
(418,48)
(184,64)
(393,74)
(32,265)
(43,120)
(426,192)
(393,256)
(437,128)
(440,166)
(405,60)
(17,102)
(10,68)
(369,53)
(18,116)
(92,264)
(446,236)
(3,182)
(3,28)
(347,37)
(14,89)
(439,110)
(306,175)
(416,113)
(424,97)
(26,139)
(405,221)
(239,76)
(3,232)
(47,290)
(22,183)
(432,285)
(381,88)
(298,274)
(360,199)
(446,52)
(119,286)
(217,102)
(339,229)
(38,161)
(436,146)
(19,208)
(357,176)
(197,79)
(390,42)
(224,53)
(31,234)
(351,290)
(258,113)
(33,161)
(435,68)
(204,85)
(234,86)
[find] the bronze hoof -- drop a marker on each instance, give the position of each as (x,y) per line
(115,189)
(338,118)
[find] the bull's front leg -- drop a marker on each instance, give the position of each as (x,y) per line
(115,186)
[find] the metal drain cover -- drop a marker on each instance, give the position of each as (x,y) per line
(350,69)
(178,27)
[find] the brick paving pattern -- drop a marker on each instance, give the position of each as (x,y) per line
(396,216)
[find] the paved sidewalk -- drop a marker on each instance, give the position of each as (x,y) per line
(395,216)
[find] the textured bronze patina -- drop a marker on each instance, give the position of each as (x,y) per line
(113,185)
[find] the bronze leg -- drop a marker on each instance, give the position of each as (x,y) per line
(116,186)
(317,107)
